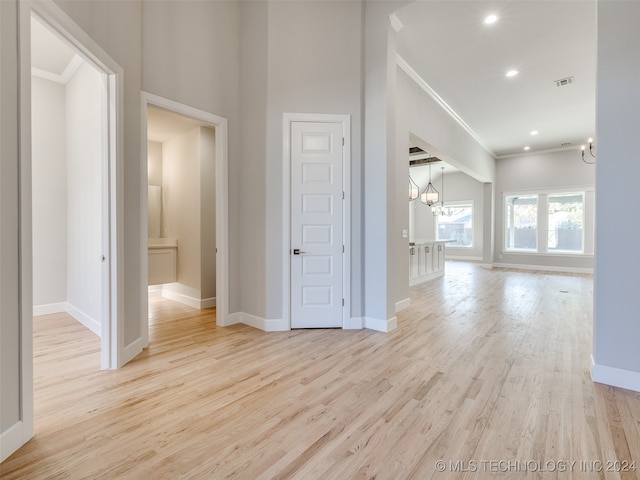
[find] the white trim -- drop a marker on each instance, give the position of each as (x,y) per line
(287,119)
(488,266)
(265,324)
(537,152)
(402,304)
(89,322)
(549,191)
(544,268)
(531,253)
(222,205)
(12,439)
(49,308)
(380,324)
(198,303)
(395,23)
(234,318)
(62,78)
(129,352)
(354,323)
(461,257)
(616,377)
(154,291)
(415,76)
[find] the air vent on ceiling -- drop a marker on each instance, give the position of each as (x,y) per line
(564,81)
(565,144)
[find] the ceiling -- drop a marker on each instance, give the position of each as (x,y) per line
(464,61)
(163,124)
(48,52)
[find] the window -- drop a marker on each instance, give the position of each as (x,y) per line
(521,223)
(456,224)
(566,223)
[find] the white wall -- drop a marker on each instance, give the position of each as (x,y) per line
(616,326)
(207,213)
(49,189)
(559,171)
(181,212)
(154,163)
(188,186)
(84,114)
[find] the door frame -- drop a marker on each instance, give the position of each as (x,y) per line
(112,348)
(112,327)
(345,120)
(220,125)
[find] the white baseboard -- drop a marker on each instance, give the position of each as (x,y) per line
(198,303)
(488,266)
(91,323)
(232,319)
(463,258)
(208,302)
(615,377)
(131,351)
(12,439)
(155,291)
(402,304)
(49,308)
(544,268)
(280,325)
(353,323)
(381,325)
(266,324)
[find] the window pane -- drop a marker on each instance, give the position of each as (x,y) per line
(456,224)
(566,218)
(522,223)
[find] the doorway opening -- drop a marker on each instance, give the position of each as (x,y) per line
(72,183)
(184,188)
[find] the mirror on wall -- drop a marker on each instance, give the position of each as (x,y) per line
(155,210)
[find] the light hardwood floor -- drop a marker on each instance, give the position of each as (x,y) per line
(488,372)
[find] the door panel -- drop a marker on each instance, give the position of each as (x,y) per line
(316,225)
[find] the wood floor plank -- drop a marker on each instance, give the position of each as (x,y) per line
(486,366)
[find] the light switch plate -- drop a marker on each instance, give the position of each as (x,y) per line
(405,233)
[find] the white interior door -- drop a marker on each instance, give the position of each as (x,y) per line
(317,249)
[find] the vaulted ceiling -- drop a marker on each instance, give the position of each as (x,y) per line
(464,60)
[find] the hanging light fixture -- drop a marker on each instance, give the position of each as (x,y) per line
(430,195)
(414,190)
(439,209)
(590,152)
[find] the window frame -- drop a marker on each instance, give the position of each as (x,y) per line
(453,204)
(505,234)
(543,220)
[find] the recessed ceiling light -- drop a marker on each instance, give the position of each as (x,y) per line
(526,148)
(491,19)
(511,73)
(534,132)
